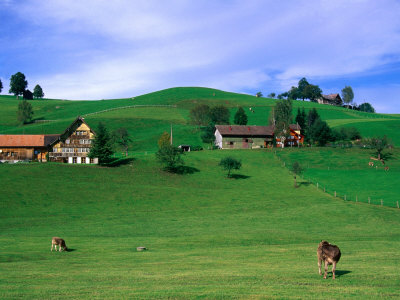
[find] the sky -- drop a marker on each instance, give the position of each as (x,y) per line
(101,49)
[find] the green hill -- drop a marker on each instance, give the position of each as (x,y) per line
(253,236)
(147,116)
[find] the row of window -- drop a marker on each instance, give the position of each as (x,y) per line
(83,160)
(82,142)
(81,132)
(72,150)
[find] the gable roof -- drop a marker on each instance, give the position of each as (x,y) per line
(244,130)
(332,97)
(27,140)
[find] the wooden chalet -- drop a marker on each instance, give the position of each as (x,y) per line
(243,136)
(73,145)
(25,147)
(331,99)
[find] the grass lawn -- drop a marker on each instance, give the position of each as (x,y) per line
(253,236)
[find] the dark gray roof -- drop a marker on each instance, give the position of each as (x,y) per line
(244,130)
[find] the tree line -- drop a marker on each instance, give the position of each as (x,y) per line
(18,87)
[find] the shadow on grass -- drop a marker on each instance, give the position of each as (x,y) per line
(304,183)
(182,170)
(70,250)
(387,156)
(239,176)
(339,273)
(117,162)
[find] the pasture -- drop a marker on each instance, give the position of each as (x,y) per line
(252,236)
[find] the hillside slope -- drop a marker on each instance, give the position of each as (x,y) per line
(147,116)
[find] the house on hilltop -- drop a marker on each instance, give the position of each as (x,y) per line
(24,147)
(72,146)
(331,99)
(252,137)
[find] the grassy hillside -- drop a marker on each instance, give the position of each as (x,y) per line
(209,237)
(146,120)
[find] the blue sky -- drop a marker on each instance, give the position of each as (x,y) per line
(98,49)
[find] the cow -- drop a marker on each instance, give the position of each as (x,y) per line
(56,241)
(330,254)
(371,164)
(386,168)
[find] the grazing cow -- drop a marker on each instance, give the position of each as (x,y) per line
(56,241)
(371,164)
(386,168)
(330,254)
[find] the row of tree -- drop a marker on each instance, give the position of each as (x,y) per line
(18,86)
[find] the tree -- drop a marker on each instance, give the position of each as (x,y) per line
(271,95)
(208,135)
(122,138)
(25,112)
(283,118)
(259,94)
(169,155)
(219,115)
(1,86)
(312,92)
(164,140)
(301,118)
(240,117)
(27,95)
(18,84)
(303,83)
(379,144)
(200,114)
(38,92)
(229,164)
(102,146)
(347,95)
(320,132)
(297,170)
(294,93)
(367,107)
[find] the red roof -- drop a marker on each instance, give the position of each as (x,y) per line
(27,140)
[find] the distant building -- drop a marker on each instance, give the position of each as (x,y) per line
(253,137)
(72,146)
(331,99)
(243,136)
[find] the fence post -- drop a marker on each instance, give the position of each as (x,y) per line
(369,200)
(381,202)
(335,194)
(344,197)
(317,185)
(397,204)
(324,190)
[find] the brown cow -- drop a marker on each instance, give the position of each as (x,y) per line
(330,254)
(56,241)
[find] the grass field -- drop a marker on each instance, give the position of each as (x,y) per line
(208,236)
(253,236)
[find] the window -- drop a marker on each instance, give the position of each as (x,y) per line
(92,160)
(74,160)
(83,160)
(67,141)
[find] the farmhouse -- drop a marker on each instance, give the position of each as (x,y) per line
(21,147)
(331,99)
(252,137)
(243,136)
(72,146)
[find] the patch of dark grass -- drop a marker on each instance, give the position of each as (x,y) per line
(239,176)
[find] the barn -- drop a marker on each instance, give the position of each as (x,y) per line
(243,136)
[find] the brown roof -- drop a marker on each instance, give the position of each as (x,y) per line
(331,96)
(244,130)
(295,127)
(27,140)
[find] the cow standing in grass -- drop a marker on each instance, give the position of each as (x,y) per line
(330,254)
(56,241)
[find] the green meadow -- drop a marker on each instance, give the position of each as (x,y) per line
(253,236)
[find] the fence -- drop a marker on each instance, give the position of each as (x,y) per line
(345,196)
(124,107)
